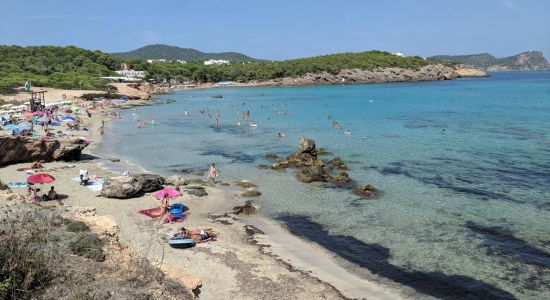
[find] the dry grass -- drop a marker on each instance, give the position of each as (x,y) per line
(37,262)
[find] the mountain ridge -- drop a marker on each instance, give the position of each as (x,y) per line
(525,61)
(162,51)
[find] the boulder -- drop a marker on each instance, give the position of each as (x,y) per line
(304,157)
(175,180)
(21,149)
(245,184)
(340,177)
(338,163)
(312,173)
(149,182)
(247,208)
(262,166)
(365,191)
(122,187)
(198,191)
(251,193)
(271,155)
(197,181)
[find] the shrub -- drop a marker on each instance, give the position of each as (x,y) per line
(75,226)
(87,245)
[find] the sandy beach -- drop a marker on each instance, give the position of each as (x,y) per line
(253,258)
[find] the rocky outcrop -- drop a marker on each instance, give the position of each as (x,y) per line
(304,157)
(247,208)
(19,149)
(337,163)
(340,178)
(312,173)
(122,187)
(470,72)
(251,193)
(365,191)
(526,61)
(198,191)
(175,180)
(149,182)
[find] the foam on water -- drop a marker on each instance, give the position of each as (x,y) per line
(463,165)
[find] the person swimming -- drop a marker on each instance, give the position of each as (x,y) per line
(347,132)
(281,135)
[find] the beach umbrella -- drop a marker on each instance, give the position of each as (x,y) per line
(68,119)
(168,192)
(11,127)
(4,118)
(24,125)
(43,120)
(28,115)
(38,113)
(55,123)
(41,178)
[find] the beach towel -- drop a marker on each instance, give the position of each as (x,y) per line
(156,212)
(12,185)
(94,185)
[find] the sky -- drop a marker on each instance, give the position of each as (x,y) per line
(283,29)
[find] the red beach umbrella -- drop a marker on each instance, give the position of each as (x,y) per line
(41,178)
(168,192)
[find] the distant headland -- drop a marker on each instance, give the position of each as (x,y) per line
(525,61)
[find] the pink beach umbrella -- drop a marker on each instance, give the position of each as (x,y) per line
(168,192)
(38,113)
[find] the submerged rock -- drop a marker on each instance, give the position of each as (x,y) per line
(365,191)
(245,184)
(20,149)
(251,193)
(150,182)
(341,177)
(271,155)
(338,163)
(262,166)
(197,181)
(247,208)
(313,173)
(321,151)
(122,187)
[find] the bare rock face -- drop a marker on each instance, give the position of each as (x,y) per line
(122,187)
(19,149)
(176,180)
(248,208)
(149,182)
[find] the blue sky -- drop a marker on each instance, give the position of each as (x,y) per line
(283,29)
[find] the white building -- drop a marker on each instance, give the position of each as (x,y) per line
(131,73)
(183,62)
(399,54)
(216,62)
(156,60)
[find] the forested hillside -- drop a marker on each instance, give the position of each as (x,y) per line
(73,68)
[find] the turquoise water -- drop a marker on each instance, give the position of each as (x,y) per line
(463,166)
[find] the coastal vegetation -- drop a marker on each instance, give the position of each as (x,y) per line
(75,68)
(160,51)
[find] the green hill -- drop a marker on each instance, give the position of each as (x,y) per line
(526,61)
(160,51)
(72,68)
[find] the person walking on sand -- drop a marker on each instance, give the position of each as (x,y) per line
(165,209)
(213,173)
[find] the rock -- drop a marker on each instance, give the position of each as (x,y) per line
(365,191)
(262,166)
(150,182)
(122,187)
(245,184)
(321,151)
(341,177)
(247,208)
(198,191)
(251,193)
(224,184)
(20,149)
(175,180)
(337,163)
(197,181)
(311,174)
(3,186)
(304,157)
(271,155)
(114,159)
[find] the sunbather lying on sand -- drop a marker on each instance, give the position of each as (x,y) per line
(200,235)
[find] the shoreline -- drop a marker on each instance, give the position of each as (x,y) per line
(317,278)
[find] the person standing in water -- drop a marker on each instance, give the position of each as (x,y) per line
(212,173)
(238,124)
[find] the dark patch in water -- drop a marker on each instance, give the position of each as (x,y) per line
(501,241)
(375,258)
(234,157)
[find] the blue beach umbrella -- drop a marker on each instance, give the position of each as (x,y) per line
(68,119)
(43,120)
(55,123)
(4,118)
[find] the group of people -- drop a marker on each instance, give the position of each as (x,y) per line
(33,194)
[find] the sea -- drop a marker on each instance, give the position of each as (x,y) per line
(462,168)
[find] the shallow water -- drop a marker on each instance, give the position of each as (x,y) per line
(463,166)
